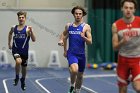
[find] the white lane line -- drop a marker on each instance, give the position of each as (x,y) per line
(92,76)
(5,86)
(37,81)
(88,89)
(101,75)
(84,87)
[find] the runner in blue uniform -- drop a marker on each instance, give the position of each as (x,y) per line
(20,46)
(78,33)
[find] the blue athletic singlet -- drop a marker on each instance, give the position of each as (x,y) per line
(76,50)
(20,41)
(76,42)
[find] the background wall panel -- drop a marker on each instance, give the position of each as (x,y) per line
(50,3)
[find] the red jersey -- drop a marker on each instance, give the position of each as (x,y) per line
(132,47)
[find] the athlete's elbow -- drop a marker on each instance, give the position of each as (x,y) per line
(33,40)
(89,43)
(115,48)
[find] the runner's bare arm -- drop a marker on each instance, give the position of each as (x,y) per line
(31,33)
(10,37)
(88,36)
(115,41)
(63,35)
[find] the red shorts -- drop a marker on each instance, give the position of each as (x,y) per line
(126,67)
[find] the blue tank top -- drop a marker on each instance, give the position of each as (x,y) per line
(76,42)
(20,41)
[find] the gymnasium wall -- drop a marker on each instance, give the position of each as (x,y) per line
(47,25)
(41,4)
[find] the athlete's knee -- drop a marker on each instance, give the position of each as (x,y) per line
(24,63)
(136,85)
(73,69)
(137,88)
(18,61)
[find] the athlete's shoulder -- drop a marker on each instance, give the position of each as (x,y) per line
(13,27)
(114,28)
(67,25)
(87,25)
(114,24)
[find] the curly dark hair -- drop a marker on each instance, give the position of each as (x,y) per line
(78,7)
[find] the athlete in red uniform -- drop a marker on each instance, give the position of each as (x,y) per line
(126,39)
